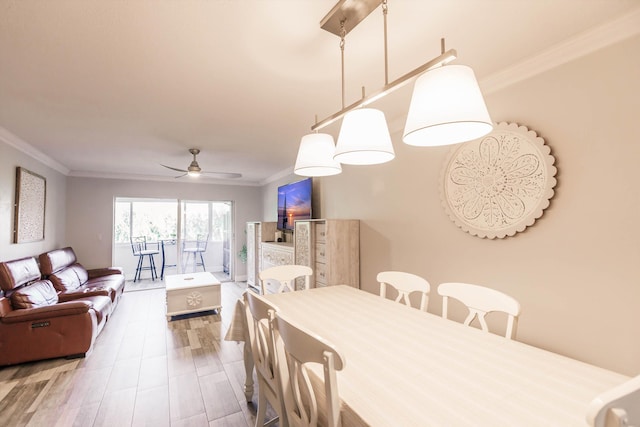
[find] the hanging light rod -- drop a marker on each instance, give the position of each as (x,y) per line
(443,59)
(344,17)
(446,107)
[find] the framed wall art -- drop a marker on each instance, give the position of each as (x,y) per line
(498,185)
(30,201)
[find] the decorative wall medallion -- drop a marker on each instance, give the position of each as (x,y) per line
(500,184)
(194,299)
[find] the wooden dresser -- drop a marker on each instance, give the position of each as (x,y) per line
(257,232)
(331,247)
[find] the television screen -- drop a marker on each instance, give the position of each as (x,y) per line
(294,202)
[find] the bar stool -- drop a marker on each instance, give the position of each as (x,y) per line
(139,248)
(194,248)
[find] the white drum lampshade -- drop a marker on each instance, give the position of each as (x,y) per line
(315,156)
(447,107)
(364,138)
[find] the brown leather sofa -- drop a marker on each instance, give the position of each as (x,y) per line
(36,323)
(72,280)
(55,309)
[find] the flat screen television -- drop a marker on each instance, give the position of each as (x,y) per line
(294,202)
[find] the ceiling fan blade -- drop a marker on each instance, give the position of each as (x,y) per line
(224,174)
(194,169)
(175,169)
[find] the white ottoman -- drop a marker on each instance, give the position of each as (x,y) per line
(192,293)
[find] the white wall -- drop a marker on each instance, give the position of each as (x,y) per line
(575,271)
(90,211)
(55,210)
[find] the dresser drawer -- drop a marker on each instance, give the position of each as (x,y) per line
(320,274)
(320,231)
(321,252)
(272,256)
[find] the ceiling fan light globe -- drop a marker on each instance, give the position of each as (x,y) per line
(194,173)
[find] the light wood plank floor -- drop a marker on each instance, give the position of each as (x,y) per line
(143,371)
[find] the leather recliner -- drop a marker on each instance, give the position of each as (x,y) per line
(71,279)
(35,324)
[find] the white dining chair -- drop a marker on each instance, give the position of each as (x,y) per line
(618,407)
(405,284)
(286,276)
(259,316)
(295,348)
(481,300)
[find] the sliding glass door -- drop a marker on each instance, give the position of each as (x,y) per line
(189,235)
(210,221)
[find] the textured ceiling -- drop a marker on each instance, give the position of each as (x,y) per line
(115,88)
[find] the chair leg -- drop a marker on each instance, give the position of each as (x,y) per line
(262,407)
(147,268)
(202,262)
(194,260)
(152,263)
(138,270)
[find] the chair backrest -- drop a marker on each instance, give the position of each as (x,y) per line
(138,244)
(481,300)
(198,245)
(201,242)
(295,347)
(617,407)
(286,276)
(405,284)
(259,316)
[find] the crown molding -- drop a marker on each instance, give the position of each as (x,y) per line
(137,177)
(575,47)
(20,145)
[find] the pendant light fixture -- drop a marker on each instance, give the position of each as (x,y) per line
(315,156)
(364,138)
(446,107)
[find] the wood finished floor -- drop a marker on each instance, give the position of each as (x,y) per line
(143,371)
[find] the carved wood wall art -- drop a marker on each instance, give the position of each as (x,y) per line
(500,184)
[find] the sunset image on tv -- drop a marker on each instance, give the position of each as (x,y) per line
(294,203)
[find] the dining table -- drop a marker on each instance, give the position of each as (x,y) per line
(407,367)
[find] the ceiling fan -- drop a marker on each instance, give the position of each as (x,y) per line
(194,169)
